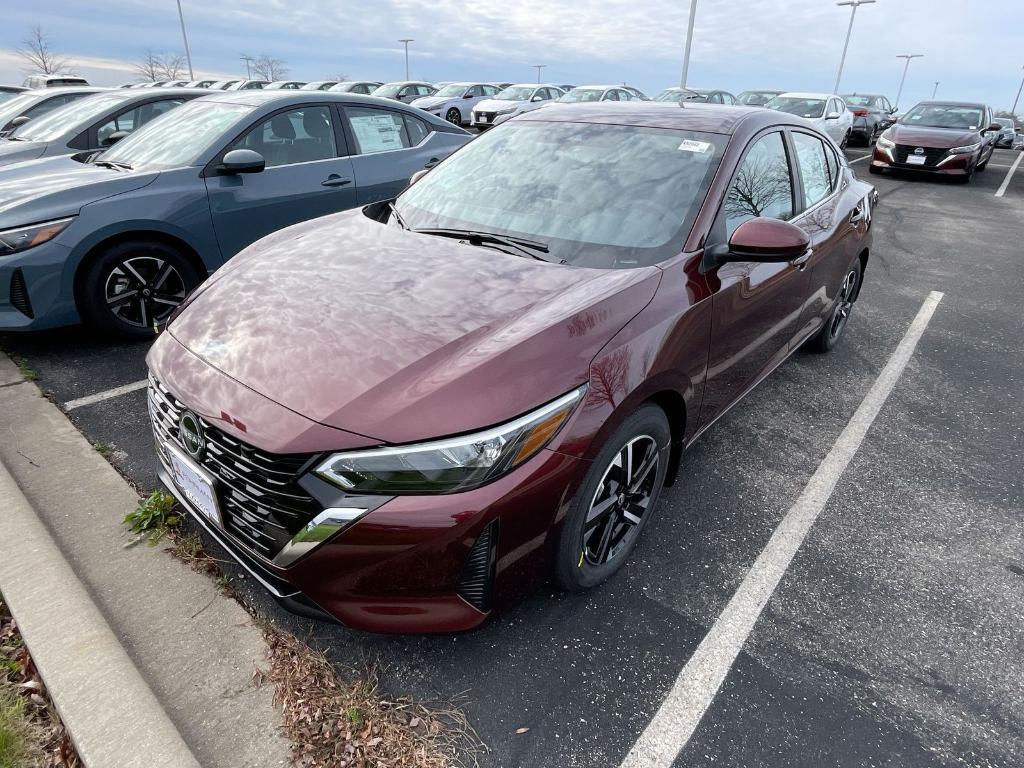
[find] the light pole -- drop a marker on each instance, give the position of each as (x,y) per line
(406,41)
(188,53)
(248,69)
(1013,111)
(538,67)
(689,41)
(908,57)
(853,13)
(935,89)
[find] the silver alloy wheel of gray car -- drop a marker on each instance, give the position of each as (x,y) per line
(142,291)
(622,497)
(453,116)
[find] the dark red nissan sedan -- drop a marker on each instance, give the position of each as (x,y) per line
(404,416)
(949,138)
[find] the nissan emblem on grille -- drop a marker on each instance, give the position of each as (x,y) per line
(919,151)
(191,432)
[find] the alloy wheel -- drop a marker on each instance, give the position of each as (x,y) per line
(844,305)
(143,290)
(620,501)
(453,116)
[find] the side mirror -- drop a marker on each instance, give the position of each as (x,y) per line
(241,161)
(418,175)
(19,121)
(832,116)
(537,97)
(767,240)
(468,96)
(893,111)
(115,137)
(994,127)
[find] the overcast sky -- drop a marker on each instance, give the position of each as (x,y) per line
(976,51)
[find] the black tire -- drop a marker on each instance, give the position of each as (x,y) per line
(846,141)
(826,339)
(982,166)
(578,562)
(115,299)
(453,116)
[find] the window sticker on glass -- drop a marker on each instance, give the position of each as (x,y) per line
(690,145)
(377,133)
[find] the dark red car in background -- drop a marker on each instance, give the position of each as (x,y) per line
(951,138)
(405,416)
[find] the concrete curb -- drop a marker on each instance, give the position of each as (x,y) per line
(109,710)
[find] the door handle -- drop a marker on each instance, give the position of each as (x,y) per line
(801,261)
(334,180)
(432,162)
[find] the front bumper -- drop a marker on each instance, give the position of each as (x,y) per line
(948,165)
(34,291)
(402,566)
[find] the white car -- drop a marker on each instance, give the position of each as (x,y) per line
(455,101)
(516,98)
(579,95)
(826,111)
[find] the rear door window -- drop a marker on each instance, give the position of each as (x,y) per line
(810,157)
(377,130)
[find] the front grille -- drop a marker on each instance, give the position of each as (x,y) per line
(19,294)
(476,581)
(932,155)
(260,499)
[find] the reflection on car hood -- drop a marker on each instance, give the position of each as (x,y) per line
(40,190)
(19,151)
(498,105)
(943,138)
(400,336)
(429,102)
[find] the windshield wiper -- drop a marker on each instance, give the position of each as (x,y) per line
(521,244)
(397,216)
(113,164)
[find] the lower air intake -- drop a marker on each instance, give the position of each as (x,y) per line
(19,294)
(476,582)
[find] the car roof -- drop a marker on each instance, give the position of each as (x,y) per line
(604,87)
(809,95)
(688,115)
(259,98)
(68,89)
(944,103)
(410,82)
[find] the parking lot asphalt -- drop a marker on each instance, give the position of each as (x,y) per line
(894,637)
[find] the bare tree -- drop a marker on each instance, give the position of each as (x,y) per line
(160,66)
(268,68)
(341,78)
(41,58)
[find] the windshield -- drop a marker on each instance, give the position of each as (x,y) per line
(611,196)
(1005,122)
(455,89)
(755,98)
(177,139)
(516,93)
(582,94)
(944,116)
(7,96)
(674,94)
(794,105)
(860,101)
(70,117)
(388,91)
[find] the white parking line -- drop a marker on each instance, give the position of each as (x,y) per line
(1009,175)
(698,683)
(862,157)
(99,397)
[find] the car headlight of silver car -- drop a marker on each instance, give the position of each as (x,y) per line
(453,464)
(23,238)
(965,150)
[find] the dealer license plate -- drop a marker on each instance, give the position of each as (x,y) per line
(195,484)
(915,159)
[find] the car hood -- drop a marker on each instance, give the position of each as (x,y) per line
(19,151)
(938,138)
(400,336)
(39,190)
(497,105)
(429,102)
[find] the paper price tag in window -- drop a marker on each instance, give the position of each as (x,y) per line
(689,145)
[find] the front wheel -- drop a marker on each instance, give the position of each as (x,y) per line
(845,141)
(453,116)
(134,286)
(830,333)
(615,501)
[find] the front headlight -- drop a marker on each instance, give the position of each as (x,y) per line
(885,143)
(454,464)
(966,149)
(23,238)
(504,111)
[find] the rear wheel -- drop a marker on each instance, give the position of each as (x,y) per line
(846,140)
(134,286)
(615,501)
(453,116)
(830,333)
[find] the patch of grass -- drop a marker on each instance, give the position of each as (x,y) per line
(26,371)
(14,728)
(103,449)
(153,519)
